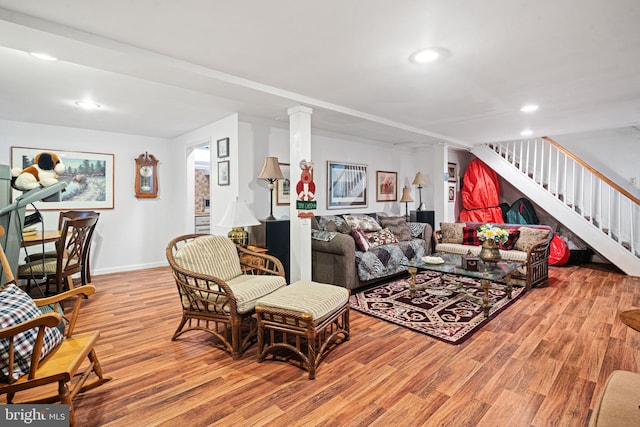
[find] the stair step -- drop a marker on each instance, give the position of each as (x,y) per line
(605,231)
(626,245)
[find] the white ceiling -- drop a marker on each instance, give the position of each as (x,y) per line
(164,67)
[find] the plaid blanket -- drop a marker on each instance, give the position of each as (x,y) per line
(17,307)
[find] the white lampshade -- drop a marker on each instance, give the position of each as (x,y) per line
(238,215)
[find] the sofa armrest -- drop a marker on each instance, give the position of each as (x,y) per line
(341,244)
(427,235)
(437,237)
(334,262)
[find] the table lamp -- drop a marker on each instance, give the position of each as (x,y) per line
(420,181)
(271,173)
(406,198)
(237,216)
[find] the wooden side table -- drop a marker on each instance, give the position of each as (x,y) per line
(248,259)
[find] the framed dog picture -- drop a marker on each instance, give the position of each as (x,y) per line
(89,178)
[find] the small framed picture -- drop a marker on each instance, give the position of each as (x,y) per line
(283,186)
(452,172)
(223,173)
(386,186)
(223,147)
(452,193)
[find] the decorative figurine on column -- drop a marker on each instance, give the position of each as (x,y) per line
(306,190)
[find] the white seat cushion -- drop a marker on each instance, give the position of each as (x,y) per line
(249,288)
(317,299)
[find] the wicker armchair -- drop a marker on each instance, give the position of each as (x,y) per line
(219,283)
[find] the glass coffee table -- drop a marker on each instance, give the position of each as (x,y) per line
(486,273)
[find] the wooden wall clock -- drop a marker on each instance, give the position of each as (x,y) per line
(146,176)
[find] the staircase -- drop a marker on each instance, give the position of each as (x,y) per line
(598,211)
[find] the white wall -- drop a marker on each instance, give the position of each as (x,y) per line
(181,151)
(613,152)
(135,232)
(269,140)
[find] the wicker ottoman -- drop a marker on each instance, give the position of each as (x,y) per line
(305,319)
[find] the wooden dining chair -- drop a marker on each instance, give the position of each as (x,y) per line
(86,270)
(75,240)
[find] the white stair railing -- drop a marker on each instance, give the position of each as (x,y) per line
(600,201)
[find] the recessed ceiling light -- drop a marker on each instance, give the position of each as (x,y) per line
(529,108)
(526,132)
(43,56)
(424,56)
(88,105)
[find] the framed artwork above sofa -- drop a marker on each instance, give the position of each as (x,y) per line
(347,185)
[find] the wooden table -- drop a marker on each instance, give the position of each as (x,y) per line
(39,238)
(258,262)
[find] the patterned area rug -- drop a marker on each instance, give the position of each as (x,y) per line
(442,312)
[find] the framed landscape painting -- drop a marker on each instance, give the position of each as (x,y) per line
(89,178)
(347,184)
(386,186)
(283,186)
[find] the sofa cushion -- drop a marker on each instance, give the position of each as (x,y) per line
(398,226)
(385,260)
(470,236)
(382,237)
(528,237)
(248,288)
(362,242)
(333,223)
(17,307)
(363,222)
(452,232)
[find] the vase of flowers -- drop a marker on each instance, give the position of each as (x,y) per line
(491,236)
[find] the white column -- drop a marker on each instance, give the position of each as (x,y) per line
(440,185)
(299,150)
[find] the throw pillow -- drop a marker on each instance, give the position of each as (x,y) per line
(333,223)
(382,237)
(470,236)
(363,222)
(362,243)
(17,307)
(452,232)
(511,240)
(314,223)
(417,228)
(398,226)
(323,235)
(528,237)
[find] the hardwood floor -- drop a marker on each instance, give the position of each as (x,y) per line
(541,362)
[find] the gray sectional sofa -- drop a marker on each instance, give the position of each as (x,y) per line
(339,257)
